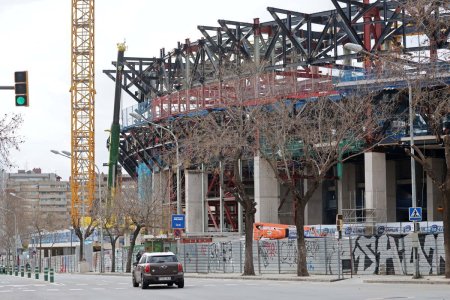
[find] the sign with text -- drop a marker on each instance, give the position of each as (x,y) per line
(178,222)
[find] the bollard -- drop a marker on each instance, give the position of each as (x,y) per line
(45,274)
(52,275)
(29,272)
(16,271)
(22,274)
(10,270)
(36,272)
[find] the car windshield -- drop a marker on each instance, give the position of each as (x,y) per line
(163,259)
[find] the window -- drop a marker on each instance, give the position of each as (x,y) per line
(162,259)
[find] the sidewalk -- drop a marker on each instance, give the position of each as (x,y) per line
(395,279)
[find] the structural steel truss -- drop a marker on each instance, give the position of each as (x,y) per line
(295,55)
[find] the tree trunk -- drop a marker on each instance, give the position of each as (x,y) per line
(302,270)
(79,234)
(249,220)
(132,244)
(113,255)
(446,207)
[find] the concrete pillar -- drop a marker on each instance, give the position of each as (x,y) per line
(161,193)
(314,207)
(434,196)
(375,181)
(267,192)
(391,193)
(346,187)
(194,200)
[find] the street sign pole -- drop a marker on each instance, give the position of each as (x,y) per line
(415,215)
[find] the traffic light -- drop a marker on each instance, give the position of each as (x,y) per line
(21,88)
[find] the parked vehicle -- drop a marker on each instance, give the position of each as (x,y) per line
(158,268)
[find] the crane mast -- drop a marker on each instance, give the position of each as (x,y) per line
(82,111)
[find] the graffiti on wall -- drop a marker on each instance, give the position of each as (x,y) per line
(394,255)
(390,254)
(221,257)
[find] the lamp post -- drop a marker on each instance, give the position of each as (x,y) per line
(141,117)
(69,155)
(359,49)
(15,229)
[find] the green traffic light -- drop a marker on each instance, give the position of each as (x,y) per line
(20,100)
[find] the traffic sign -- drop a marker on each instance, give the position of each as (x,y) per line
(415,214)
(178,221)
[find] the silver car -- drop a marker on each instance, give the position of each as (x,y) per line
(158,268)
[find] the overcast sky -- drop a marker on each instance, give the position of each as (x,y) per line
(35,35)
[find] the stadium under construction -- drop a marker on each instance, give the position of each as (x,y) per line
(302,56)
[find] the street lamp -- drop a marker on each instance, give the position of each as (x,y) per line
(359,49)
(69,155)
(15,229)
(141,117)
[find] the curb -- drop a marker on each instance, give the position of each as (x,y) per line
(410,281)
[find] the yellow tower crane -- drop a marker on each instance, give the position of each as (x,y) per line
(82,111)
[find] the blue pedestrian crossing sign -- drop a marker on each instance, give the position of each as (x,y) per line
(415,213)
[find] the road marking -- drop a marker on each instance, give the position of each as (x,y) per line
(98,289)
(252,284)
(6,291)
(75,289)
(231,284)
(210,285)
(123,283)
(29,290)
(80,284)
(52,290)
(120,288)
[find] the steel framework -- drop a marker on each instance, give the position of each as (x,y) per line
(82,109)
(293,56)
(296,55)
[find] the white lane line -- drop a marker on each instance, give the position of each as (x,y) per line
(98,289)
(29,290)
(6,291)
(75,289)
(210,285)
(123,283)
(52,290)
(252,284)
(231,284)
(120,288)
(81,284)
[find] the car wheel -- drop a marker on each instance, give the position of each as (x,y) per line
(144,283)
(135,283)
(181,284)
(170,284)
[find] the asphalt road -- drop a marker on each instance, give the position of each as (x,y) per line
(86,287)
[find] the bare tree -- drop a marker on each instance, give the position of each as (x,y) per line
(304,140)
(225,137)
(143,208)
(426,73)
(9,138)
(115,225)
(41,222)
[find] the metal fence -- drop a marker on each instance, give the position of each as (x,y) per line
(390,254)
(377,254)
